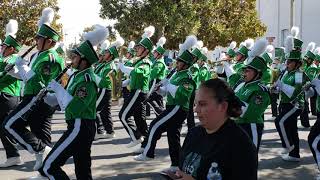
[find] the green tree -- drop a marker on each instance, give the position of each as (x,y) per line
(216,22)
(27,13)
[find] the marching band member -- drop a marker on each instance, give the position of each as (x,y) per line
(178,90)
(10,91)
(253,93)
(158,73)
(45,65)
(104,82)
(139,86)
(79,103)
(291,99)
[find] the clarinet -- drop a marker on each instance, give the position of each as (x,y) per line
(36,101)
(9,67)
(159,84)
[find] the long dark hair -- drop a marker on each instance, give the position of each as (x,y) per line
(222,92)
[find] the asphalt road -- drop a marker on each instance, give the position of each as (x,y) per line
(112,160)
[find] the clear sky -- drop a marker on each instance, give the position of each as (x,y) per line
(78,14)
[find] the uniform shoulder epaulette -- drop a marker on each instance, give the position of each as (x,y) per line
(263,87)
(87,77)
(52,58)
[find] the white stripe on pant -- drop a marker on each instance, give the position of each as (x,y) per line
(254,132)
(283,130)
(125,112)
(13,120)
(103,92)
(157,125)
(61,147)
(315,148)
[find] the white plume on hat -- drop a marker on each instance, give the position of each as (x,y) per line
(295,31)
(46,17)
(188,43)
(105,44)
(311,46)
(97,36)
(148,32)
(204,51)
(161,41)
(249,43)
(289,45)
(119,42)
(198,45)
(131,44)
(233,45)
(12,28)
(258,48)
(210,55)
(269,50)
(222,56)
(317,51)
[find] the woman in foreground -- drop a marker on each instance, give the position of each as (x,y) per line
(218,148)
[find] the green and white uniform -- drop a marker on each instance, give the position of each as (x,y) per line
(9,84)
(139,75)
(256,98)
(103,73)
(158,73)
(204,73)
(44,67)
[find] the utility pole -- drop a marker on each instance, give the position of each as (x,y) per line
(291,13)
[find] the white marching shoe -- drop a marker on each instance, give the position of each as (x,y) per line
(286,157)
(13,161)
(104,136)
(134,143)
(142,157)
(138,151)
(40,156)
(38,177)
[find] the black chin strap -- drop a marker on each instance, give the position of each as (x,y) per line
(78,66)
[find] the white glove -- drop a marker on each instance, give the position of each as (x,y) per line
(125,69)
(219,69)
(309,93)
(20,61)
(316,83)
(172,89)
(228,69)
(120,65)
(25,72)
(14,72)
(162,91)
(125,83)
(62,95)
(51,99)
(287,89)
(164,82)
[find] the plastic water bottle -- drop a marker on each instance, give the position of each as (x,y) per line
(213,173)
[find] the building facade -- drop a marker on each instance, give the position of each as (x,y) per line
(276,15)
